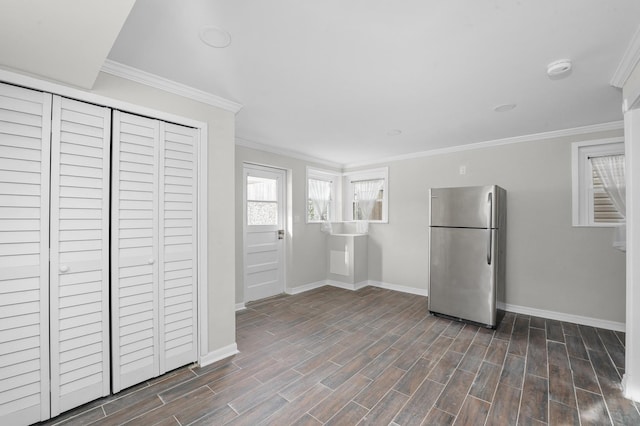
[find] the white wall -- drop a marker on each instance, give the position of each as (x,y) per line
(221,239)
(550,264)
(305,248)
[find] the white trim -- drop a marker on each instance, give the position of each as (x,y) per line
(631,378)
(219,354)
(561,316)
(286,152)
(400,288)
(202,227)
(84,96)
(305,287)
(164,84)
(357,286)
(347,286)
(614,125)
(240,307)
(629,60)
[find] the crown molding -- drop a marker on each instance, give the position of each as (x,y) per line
(286,152)
(125,71)
(576,131)
(628,63)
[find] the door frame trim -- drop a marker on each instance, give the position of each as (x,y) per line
(34,83)
(285,221)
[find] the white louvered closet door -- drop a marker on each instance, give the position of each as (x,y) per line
(25,118)
(134,250)
(79,277)
(178,244)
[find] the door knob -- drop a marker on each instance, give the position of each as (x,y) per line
(281,234)
(151,261)
(64,268)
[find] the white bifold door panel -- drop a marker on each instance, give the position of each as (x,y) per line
(134,249)
(153,251)
(25,120)
(79,276)
(178,246)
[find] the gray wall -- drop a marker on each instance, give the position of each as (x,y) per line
(305,253)
(550,264)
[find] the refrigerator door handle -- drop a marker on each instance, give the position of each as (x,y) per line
(489,235)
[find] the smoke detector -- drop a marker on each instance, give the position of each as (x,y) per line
(559,68)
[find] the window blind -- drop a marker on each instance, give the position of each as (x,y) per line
(603,209)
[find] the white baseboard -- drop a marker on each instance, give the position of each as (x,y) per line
(630,391)
(400,288)
(240,307)
(347,286)
(306,287)
(561,316)
(219,354)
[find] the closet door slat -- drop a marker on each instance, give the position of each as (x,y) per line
(25,125)
(178,248)
(79,275)
(134,250)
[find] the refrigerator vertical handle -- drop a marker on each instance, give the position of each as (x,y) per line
(489,235)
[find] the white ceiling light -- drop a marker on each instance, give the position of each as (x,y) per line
(394,132)
(504,107)
(214,36)
(558,68)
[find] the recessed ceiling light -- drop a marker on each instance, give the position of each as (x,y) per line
(394,132)
(558,68)
(214,36)
(504,107)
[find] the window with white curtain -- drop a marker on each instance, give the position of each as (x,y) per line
(598,183)
(322,195)
(367,195)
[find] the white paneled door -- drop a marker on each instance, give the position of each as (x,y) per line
(264,231)
(25,119)
(153,234)
(79,268)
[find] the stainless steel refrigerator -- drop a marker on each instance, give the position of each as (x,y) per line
(467,239)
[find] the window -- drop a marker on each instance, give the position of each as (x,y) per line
(322,195)
(592,205)
(262,201)
(367,195)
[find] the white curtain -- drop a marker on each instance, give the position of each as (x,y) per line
(610,170)
(320,196)
(366,193)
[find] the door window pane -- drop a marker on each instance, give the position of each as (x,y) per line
(262,201)
(262,213)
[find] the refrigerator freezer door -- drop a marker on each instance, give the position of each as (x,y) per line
(467,207)
(462,280)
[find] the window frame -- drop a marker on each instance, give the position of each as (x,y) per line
(381,173)
(327,176)
(582,178)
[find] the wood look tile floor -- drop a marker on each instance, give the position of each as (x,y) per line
(376,357)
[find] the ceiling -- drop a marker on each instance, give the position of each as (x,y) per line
(333,78)
(63,40)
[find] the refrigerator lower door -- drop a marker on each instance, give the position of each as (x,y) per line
(462,274)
